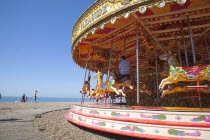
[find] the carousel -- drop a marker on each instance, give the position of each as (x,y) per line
(166,94)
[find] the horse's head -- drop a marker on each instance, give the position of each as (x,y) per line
(86,83)
(165,57)
(97,75)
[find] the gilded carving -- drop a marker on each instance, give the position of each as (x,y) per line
(123,2)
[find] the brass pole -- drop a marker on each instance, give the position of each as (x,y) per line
(191,41)
(178,51)
(110,59)
(137,63)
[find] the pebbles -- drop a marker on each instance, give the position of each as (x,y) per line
(56,127)
(47,126)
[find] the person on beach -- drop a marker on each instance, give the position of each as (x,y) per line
(34,100)
(0,95)
(124,68)
(23,98)
(26,99)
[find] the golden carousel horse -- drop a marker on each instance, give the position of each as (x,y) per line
(104,87)
(176,74)
(176,88)
(85,89)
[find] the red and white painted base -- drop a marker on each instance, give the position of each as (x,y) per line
(144,122)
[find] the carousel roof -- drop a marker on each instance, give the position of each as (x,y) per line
(162,26)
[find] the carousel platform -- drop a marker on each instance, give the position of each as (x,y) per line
(144,122)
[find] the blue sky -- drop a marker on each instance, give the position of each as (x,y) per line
(35,42)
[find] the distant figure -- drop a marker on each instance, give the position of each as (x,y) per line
(0,95)
(34,100)
(26,99)
(23,98)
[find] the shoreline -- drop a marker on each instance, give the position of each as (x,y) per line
(7,107)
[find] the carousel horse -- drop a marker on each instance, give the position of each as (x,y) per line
(85,89)
(145,89)
(176,74)
(176,88)
(104,87)
(129,81)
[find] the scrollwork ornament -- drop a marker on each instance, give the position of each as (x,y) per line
(123,2)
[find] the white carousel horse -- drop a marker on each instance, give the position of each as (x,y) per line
(176,74)
(105,87)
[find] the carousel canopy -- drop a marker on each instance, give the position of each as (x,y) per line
(111,28)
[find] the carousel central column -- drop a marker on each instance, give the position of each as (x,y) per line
(137,62)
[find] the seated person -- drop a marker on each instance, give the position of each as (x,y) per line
(124,68)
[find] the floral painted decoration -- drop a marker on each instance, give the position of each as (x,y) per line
(99,123)
(182,133)
(82,120)
(201,118)
(94,112)
(132,128)
(155,117)
(120,115)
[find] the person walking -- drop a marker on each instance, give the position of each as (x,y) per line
(23,98)
(35,93)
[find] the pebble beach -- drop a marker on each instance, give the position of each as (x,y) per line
(44,121)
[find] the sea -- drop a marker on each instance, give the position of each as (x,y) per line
(42,99)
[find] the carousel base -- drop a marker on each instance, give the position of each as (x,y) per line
(144,122)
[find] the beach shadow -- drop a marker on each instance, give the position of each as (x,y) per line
(10,120)
(108,135)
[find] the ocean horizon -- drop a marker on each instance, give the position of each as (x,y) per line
(43,99)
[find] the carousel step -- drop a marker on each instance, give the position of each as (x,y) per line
(146,116)
(140,130)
